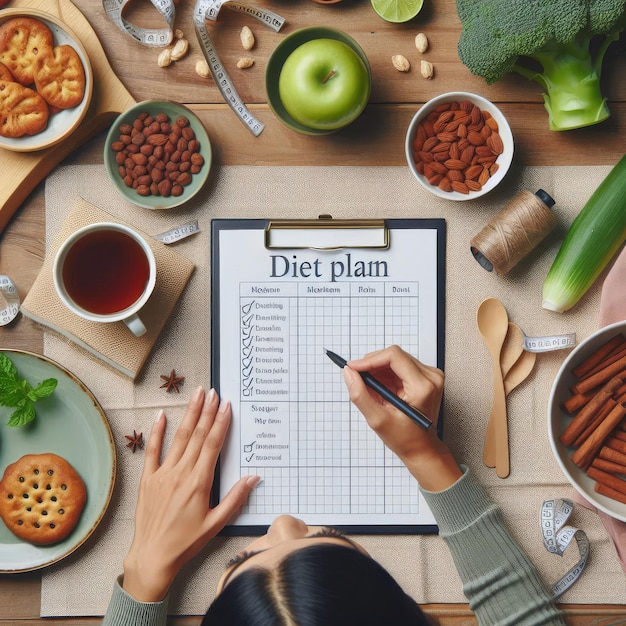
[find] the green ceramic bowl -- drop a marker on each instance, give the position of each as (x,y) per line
(172,110)
(277,59)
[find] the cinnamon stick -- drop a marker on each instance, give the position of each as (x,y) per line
(577,401)
(608,466)
(607,491)
(584,455)
(616,355)
(614,369)
(619,434)
(588,412)
(608,406)
(608,454)
(598,355)
(608,480)
(615,443)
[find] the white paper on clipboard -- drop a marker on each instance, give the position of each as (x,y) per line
(274,312)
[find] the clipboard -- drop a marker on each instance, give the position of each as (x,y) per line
(279,289)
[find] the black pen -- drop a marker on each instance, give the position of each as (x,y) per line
(410,411)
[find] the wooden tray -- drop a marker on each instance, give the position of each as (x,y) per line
(23,171)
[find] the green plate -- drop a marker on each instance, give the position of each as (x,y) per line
(73,425)
(172,110)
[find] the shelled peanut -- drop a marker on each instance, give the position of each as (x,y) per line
(156,156)
(456,147)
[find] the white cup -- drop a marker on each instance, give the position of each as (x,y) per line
(105,272)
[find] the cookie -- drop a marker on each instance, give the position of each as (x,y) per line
(5,73)
(22,110)
(41,498)
(22,41)
(60,77)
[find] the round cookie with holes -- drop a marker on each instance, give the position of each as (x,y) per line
(41,498)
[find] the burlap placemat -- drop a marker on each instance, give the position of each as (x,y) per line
(81,584)
(113,343)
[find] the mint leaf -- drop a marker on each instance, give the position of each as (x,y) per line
(45,388)
(7,367)
(10,392)
(18,393)
(23,415)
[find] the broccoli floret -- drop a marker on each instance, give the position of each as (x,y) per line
(560,44)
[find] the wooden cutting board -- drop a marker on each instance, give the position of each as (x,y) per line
(21,171)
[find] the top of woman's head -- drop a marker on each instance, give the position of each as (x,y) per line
(323,585)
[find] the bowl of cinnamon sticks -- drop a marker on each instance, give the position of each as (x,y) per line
(587,419)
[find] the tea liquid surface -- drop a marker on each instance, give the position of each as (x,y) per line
(105,272)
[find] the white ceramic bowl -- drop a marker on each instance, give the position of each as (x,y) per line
(504,130)
(558,420)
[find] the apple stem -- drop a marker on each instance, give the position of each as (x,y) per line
(329,76)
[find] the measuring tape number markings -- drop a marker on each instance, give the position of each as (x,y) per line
(557,536)
(209,10)
(157,37)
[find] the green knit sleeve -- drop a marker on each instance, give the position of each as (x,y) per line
(124,610)
(501,584)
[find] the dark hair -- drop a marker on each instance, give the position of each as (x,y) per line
(323,585)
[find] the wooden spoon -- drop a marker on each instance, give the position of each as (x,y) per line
(520,371)
(512,349)
(493,325)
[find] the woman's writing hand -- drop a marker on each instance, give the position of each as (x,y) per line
(173,521)
(421,386)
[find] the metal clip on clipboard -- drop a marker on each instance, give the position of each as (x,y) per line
(326,233)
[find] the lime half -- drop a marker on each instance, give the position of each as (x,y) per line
(397,11)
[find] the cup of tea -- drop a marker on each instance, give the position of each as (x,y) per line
(105,272)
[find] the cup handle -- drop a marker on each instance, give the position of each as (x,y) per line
(135,325)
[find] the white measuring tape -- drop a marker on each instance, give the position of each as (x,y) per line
(549,343)
(157,37)
(203,11)
(11,301)
(209,10)
(557,536)
(178,233)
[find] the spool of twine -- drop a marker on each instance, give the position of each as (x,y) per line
(514,231)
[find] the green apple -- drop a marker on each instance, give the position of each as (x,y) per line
(324,84)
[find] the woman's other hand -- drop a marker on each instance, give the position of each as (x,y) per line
(425,455)
(173,520)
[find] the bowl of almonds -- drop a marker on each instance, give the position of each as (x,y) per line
(459,146)
(158,154)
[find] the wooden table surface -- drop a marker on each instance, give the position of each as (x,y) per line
(376,138)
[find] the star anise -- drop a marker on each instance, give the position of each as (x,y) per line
(172,381)
(134,441)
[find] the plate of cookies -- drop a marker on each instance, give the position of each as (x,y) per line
(57,473)
(46,80)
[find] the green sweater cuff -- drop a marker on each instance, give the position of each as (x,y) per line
(124,610)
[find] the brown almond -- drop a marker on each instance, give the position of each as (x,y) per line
(438,167)
(492,124)
(473,172)
(444,146)
(475,138)
(455,164)
(473,185)
(484,176)
(467,154)
(460,187)
(444,184)
(430,143)
(456,175)
(494,141)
